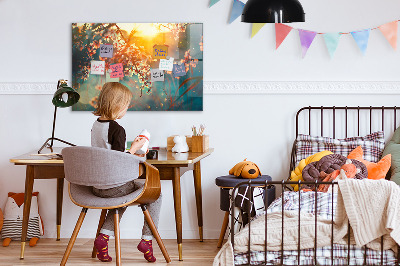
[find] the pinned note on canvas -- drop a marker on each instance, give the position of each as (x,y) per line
(117,71)
(160,51)
(97,67)
(106,50)
(109,79)
(179,70)
(166,64)
(157,75)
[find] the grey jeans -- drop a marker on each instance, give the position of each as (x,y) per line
(154,208)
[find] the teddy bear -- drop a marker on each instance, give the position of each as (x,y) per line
(13,215)
(245,169)
(180,144)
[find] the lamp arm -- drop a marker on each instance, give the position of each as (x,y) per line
(54,126)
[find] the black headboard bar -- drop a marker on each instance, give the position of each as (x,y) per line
(346,108)
(309,119)
(358,120)
(370,120)
(322,120)
(346,121)
(334,108)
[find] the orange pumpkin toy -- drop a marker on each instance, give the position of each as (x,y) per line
(245,169)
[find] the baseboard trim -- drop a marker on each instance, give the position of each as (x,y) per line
(245,87)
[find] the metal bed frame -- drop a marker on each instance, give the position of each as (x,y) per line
(283,184)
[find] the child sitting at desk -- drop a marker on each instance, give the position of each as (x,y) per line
(106,133)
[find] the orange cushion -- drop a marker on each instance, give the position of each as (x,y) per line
(375,170)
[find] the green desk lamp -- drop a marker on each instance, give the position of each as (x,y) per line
(64,97)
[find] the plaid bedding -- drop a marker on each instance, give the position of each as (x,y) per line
(324,257)
(322,207)
(372,145)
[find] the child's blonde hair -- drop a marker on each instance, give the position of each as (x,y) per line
(112,99)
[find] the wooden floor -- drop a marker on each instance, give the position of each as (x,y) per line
(50,252)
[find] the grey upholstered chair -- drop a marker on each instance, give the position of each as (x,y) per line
(85,167)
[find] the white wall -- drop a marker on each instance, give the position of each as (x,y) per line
(35,46)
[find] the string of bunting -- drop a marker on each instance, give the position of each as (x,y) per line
(361,37)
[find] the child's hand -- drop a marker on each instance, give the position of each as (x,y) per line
(137,144)
(142,155)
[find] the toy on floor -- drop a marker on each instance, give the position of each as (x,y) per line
(245,169)
(13,215)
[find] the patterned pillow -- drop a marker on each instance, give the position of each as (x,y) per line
(372,145)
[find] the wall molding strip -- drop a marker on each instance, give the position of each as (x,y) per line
(244,87)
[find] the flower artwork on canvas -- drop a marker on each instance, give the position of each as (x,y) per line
(161,63)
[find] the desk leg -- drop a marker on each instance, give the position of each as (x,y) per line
(176,182)
(199,204)
(27,206)
(60,190)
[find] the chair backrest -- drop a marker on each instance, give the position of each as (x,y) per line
(92,166)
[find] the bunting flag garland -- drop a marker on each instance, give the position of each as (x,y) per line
(213,2)
(256,27)
(306,39)
(281,31)
(237,8)
(332,41)
(389,30)
(361,37)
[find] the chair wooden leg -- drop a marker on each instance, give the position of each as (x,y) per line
(154,230)
(73,237)
(117,239)
(223,229)
(101,222)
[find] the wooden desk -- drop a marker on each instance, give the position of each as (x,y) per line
(171,167)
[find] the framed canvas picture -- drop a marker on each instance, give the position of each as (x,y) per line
(161,63)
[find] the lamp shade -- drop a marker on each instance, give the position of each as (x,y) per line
(65,96)
(273,11)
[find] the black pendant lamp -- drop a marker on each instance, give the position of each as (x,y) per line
(273,11)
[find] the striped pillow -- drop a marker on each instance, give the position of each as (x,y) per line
(372,145)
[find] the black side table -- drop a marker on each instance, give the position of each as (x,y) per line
(226,183)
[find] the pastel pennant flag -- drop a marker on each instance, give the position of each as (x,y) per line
(389,30)
(213,2)
(281,31)
(255,28)
(361,37)
(332,41)
(306,39)
(237,9)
